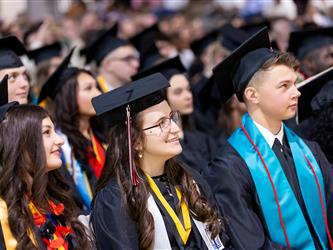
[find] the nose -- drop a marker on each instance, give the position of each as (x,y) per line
(174,127)
(23,82)
(59,141)
(296,93)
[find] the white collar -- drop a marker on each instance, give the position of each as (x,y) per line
(268,135)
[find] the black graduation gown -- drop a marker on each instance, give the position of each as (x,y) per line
(114,229)
(2,240)
(198,150)
(234,190)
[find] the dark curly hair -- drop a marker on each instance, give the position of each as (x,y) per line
(135,198)
(24,176)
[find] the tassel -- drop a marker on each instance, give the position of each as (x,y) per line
(133,171)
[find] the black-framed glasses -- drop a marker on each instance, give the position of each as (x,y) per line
(165,122)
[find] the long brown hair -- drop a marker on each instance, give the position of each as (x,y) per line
(24,176)
(135,198)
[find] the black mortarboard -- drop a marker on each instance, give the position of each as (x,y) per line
(146,38)
(150,57)
(303,41)
(232,37)
(234,73)
(103,45)
(4,105)
(168,68)
(316,93)
(57,79)
(253,26)
(139,95)
(10,50)
(45,53)
(198,46)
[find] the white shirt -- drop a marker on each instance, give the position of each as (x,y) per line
(269,136)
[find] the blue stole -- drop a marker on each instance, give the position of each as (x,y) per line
(297,230)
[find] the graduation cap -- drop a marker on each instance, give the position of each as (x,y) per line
(316,93)
(168,68)
(234,73)
(103,45)
(57,79)
(255,25)
(10,50)
(198,46)
(232,37)
(45,53)
(121,103)
(4,105)
(303,41)
(145,39)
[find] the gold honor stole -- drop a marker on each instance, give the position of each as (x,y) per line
(102,83)
(183,231)
(10,241)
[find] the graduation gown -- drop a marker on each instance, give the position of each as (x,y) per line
(198,150)
(114,229)
(235,192)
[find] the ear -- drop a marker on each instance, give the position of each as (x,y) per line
(251,95)
(138,147)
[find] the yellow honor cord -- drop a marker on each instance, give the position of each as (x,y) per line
(102,83)
(10,241)
(183,231)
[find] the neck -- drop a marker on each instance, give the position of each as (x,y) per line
(85,126)
(111,80)
(273,125)
(152,165)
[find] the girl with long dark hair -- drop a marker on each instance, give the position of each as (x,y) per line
(83,154)
(36,209)
(145,199)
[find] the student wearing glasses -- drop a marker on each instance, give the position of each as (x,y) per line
(145,199)
(117,60)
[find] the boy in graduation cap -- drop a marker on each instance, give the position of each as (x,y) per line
(117,60)
(10,64)
(313,48)
(283,197)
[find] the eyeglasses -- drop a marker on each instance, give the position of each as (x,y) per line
(165,122)
(126,59)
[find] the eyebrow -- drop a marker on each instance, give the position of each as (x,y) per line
(46,126)
(163,117)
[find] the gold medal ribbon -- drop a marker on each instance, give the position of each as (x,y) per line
(102,83)
(183,231)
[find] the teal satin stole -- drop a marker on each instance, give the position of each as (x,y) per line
(297,230)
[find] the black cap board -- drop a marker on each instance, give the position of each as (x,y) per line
(57,79)
(316,93)
(234,73)
(103,45)
(168,68)
(304,41)
(10,50)
(45,53)
(139,95)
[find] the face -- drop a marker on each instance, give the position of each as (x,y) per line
(123,63)
(18,84)
(324,58)
(277,94)
(179,95)
(161,144)
(52,144)
(86,90)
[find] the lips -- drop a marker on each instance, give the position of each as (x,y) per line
(176,139)
(56,152)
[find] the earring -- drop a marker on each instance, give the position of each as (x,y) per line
(140,154)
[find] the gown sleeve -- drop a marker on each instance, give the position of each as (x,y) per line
(233,188)
(112,226)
